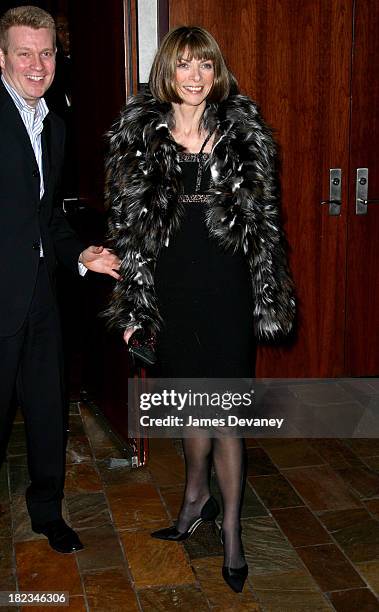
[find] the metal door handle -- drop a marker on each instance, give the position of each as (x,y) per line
(335,192)
(361,193)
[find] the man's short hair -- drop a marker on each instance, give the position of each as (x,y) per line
(30,16)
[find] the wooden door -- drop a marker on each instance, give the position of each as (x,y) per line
(295,58)
(362,317)
(99,57)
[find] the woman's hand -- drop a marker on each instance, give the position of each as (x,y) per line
(128,333)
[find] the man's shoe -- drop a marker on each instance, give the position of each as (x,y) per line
(61,537)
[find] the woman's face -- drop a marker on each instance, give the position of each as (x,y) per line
(193,79)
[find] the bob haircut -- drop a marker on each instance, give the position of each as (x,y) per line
(200,45)
(30,16)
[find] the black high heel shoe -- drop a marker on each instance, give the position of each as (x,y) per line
(209,512)
(234,577)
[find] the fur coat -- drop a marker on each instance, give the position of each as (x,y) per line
(143,183)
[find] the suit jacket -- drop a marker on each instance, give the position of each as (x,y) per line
(24,218)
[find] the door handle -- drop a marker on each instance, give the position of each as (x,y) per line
(361,193)
(335,192)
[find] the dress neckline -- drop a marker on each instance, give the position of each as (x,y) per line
(201,152)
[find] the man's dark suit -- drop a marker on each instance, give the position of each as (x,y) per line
(30,346)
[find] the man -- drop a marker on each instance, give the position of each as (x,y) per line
(33,234)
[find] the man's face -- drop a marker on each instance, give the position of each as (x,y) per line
(29,64)
(63,32)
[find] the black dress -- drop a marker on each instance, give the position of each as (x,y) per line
(204,293)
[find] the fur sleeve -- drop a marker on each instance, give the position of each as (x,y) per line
(245,213)
(133,301)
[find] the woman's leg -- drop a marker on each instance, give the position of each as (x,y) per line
(196,454)
(229,462)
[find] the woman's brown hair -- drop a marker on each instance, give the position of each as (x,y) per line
(198,44)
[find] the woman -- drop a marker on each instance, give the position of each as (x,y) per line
(194,220)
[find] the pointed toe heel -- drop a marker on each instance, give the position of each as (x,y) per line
(235,577)
(209,512)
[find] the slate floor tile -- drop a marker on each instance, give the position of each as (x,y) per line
(18,475)
(88,510)
(286,453)
(329,567)
(361,480)
(370,573)
(136,506)
(110,590)
(372,463)
(334,452)
(17,440)
(301,527)
(275,491)
(185,599)
(4,486)
(321,488)
(155,562)
(75,426)
(266,549)
(101,549)
(293,580)
(293,601)
(7,574)
(372,506)
(167,470)
(94,429)
(360,542)
(22,529)
(364,447)
(5,520)
(259,463)
(39,568)
(354,600)
(334,520)
(82,477)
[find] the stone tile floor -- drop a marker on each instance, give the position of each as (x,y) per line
(310,528)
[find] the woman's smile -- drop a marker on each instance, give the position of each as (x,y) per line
(193,79)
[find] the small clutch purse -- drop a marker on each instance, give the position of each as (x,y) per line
(142,349)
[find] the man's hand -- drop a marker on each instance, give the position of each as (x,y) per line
(102,260)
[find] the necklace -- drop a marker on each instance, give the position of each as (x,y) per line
(202,158)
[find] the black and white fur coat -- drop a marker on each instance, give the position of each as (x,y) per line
(143,183)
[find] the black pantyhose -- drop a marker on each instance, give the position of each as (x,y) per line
(197,454)
(229,464)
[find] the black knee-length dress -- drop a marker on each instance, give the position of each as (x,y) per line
(204,293)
